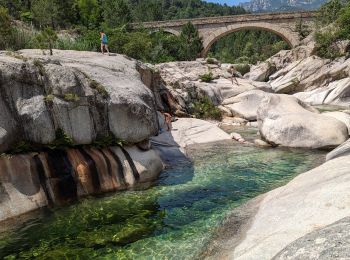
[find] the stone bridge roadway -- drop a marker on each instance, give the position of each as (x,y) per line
(213,28)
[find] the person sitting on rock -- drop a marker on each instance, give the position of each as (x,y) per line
(168,119)
(104,43)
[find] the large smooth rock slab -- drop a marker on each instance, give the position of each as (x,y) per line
(286,121)
(331,242)
(186,132)
(341,116)
(261,72)
(335,93)
(246,104)
(86,94)
(280,60)
(297,75)
(341,150)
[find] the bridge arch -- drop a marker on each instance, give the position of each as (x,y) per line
(289,36)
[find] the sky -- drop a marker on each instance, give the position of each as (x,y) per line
(228,2)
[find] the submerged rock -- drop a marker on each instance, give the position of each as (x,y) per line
(286,121)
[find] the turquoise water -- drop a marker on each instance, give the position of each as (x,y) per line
(171,220)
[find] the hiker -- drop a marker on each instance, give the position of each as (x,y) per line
(168,119)
(233,73)
(104,43)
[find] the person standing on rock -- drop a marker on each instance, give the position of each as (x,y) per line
(104,43)
(233,73)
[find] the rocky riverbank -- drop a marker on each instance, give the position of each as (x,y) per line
(266,227)
(77,124)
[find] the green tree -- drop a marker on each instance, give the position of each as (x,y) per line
(89,11)
(191,43)
(344,22)
(45,13)
(47,39)
(116,13)
(329,12)
(5,27)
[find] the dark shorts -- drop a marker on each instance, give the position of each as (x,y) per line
(104,43)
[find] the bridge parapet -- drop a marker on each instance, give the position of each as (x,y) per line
(228,19)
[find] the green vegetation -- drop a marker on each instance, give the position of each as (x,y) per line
(49,98)
(336,16)
(37,63)
(247,46)
(100,88)
(242,68)
(208,77)
(47,39)
(62,141)
(108,141)
(205,109)
(20,147)
(71,97)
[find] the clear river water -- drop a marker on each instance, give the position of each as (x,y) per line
(173,219)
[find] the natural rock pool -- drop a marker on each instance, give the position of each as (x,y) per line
(171,220)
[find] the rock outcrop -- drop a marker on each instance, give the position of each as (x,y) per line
(246,104)
(186,132)
(341,150)
(286,121)
(331,242)
(341,116)
(180,84)
(85,94)
(34,180)
(280,60)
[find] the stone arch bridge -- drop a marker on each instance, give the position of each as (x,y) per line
(212,29)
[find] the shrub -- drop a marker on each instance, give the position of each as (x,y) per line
(47,39)
(20,147)
(49,98)
(242,68)
(109,140)
(324,42)
(100,88)
(40,66)
(71,97)
(205,109)
(62,140)
(211,61)
(208,77)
